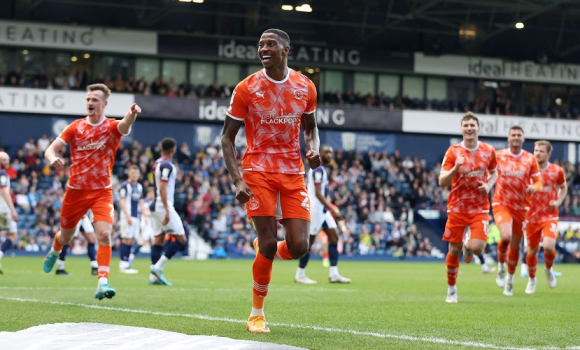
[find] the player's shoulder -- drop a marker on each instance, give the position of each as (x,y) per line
(4,178)
(164,162)
(296,76)
(486,146)
(78,122)
(527,154)
(320,169)
(503,152)
(555,168)
(456,148)
(252,80)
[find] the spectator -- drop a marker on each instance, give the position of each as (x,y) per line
(218,252)
(42,144)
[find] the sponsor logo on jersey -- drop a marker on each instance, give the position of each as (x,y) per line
(477,173)
(514,173)
(90,146)
(273,118)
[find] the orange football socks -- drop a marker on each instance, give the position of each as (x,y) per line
(283,252)
(549,259)
(104,260)
(452,264)
(512,259)
(532,265)
(502,249)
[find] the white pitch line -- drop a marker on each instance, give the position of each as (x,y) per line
(293,289)
(316,328)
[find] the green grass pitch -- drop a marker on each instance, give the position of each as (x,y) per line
(388,306)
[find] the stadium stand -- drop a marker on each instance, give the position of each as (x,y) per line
(498,102)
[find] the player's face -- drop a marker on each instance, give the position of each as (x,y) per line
(326,155)
(134,175)
(541,153)
(516,138)
(271,50)
(95,103)
(469,129)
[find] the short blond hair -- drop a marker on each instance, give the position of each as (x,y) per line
(102,87)
(544,143)
(470,116)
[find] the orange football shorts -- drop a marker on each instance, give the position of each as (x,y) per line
(77,202)
(535,232)
(458,224)
(503,214)
(294,199)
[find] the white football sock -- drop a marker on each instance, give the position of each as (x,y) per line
(161,263)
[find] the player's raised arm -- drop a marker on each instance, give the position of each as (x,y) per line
(129,119)
(310,130)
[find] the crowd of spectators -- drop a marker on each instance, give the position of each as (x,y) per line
(79,79)
(378,194)
(497,103)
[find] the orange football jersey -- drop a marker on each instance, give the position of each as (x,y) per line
(464,196)
(93,148)
(272,112)
(516,173)
(552,178)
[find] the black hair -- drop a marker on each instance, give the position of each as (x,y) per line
(168,144)
(281,34)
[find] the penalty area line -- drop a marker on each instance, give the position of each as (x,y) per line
(316,328)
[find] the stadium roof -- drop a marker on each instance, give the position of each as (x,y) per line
(468,27)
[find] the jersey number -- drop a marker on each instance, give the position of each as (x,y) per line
(305,201)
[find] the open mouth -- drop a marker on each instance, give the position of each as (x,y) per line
(266,58)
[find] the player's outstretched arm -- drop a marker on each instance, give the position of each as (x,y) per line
(51,153)
(129,119)
(310,130)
